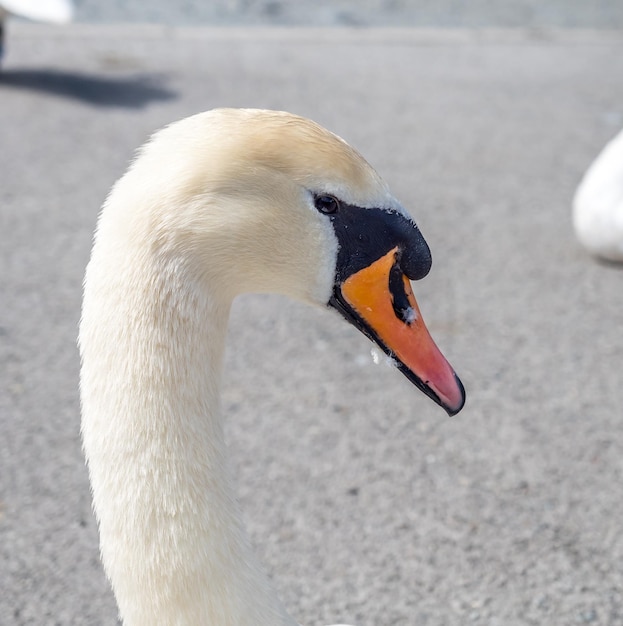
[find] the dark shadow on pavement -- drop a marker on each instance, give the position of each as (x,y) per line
(130,92)
(616,266)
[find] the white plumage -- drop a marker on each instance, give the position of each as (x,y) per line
(598,204)
(54,11)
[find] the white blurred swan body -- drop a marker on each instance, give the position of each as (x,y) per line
(598,204)
(53,11)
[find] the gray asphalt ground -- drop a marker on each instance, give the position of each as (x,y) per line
(367,505)
(429,13)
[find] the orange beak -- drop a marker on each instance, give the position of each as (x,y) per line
(379,300)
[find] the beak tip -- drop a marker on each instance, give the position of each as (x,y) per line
(454,408)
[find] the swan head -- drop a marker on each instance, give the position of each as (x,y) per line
(266,201)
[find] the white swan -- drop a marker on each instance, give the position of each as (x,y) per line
(220,203)
(598,204)
(53,11)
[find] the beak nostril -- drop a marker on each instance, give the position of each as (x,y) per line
(400,301)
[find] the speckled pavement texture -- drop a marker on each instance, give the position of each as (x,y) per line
(366,503)
(435,13)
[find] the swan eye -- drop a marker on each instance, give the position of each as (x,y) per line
(327,204)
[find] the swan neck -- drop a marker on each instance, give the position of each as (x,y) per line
(171,536)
